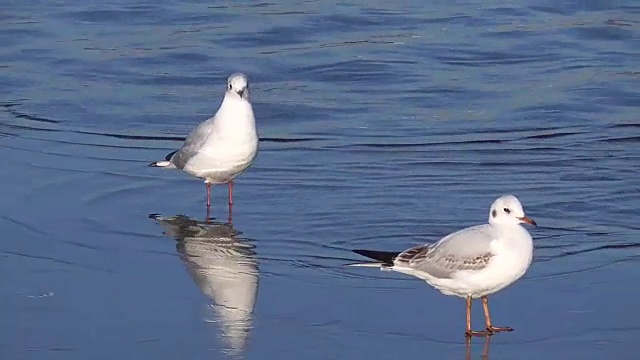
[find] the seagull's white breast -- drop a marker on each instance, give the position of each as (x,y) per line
(513,252)
(231,145)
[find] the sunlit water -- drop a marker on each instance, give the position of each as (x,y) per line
(383,125)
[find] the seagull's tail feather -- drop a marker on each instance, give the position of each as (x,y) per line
(370,264)
(170,155)
(164,163)
(384,258)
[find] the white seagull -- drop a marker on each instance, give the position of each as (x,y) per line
(223,146)
(471,263)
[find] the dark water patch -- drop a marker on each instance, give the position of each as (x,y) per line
(578,271)
(52,349)
(64,155)
(415,145)
(123,192)
(606,32)
(118,15)
(274,36)
(624,139)
(23,225)
(627,125)
(552,135)
(477,58)
(21,127)
(386,40)
(130,147)
(347,71)
(54,260)
(11,108)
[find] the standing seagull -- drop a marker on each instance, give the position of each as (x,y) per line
(223,146)
(471,263)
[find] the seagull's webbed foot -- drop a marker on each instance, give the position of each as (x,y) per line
(497,329)
(478,333)
(488,331)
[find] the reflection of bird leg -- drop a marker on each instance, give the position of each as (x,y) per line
(208,186)
(487,318)
(230,184)
(207,218)
(485,348)
(467,353)
(470,332)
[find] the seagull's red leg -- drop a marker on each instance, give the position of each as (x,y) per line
(470,332)
(487,318)
(230,185)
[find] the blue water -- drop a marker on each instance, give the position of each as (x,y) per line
(383,124)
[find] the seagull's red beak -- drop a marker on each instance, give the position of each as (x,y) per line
(525,219)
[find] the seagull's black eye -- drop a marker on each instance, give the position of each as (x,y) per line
(230,86)
(506,210)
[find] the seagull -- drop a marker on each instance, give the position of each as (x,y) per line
(471,263)
(222,147)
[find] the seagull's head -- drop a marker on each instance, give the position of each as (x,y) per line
(507,210)
(238,84)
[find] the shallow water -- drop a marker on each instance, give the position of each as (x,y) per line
(383,125)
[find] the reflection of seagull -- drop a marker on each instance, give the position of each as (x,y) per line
(471,263)
(224,268)
(223,146)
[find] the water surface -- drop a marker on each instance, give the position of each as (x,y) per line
(383,125)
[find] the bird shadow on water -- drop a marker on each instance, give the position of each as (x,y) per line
(225,269)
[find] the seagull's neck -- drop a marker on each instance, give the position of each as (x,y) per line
(501,225)
(233,99)
(235,112)
(505,231)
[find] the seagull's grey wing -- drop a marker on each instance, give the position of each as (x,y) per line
(194,142)
(468,249)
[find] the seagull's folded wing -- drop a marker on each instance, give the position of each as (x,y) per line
(467,249)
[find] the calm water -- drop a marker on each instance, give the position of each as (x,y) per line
(384,125)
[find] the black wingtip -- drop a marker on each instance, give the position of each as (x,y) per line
(153,164)
(386,257)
